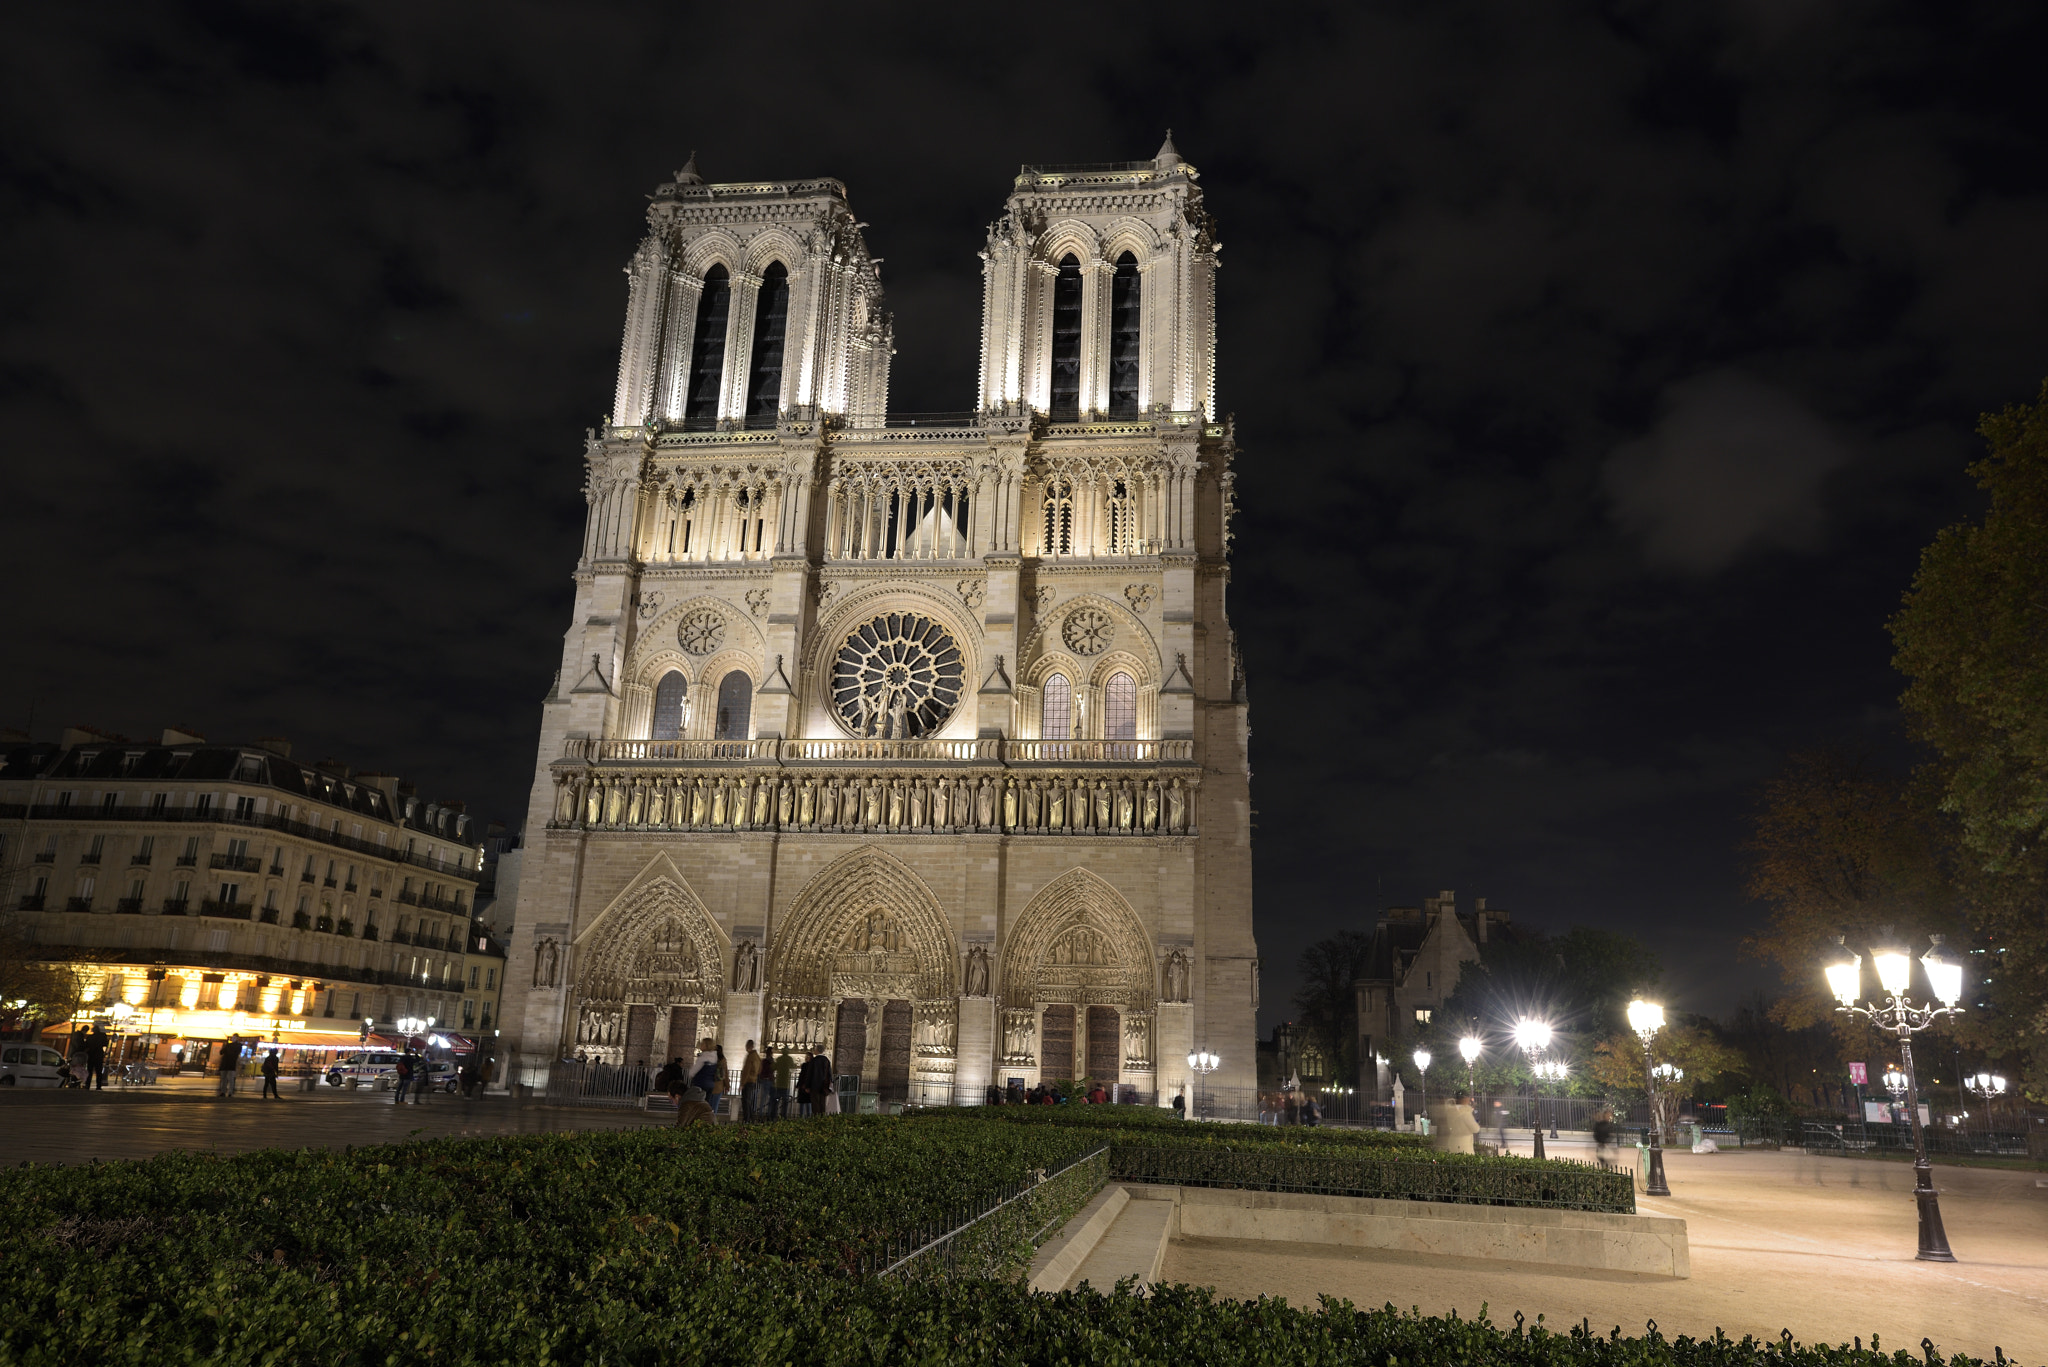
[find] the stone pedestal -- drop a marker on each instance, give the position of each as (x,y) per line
(742,1023)
(974,1050)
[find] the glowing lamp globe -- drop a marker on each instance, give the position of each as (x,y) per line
(1845,978)
(1422,1060)
(1645,1018)
(1469,1047)
(1944,974)
(1531,1035)
(1894,969)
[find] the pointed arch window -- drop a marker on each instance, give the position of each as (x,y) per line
(1066,341)
(771,325)
(1120,708)
(735,705)
(707,347)
(1059,518)
(670,698)
(1122,509)
(1124,318)
(1056,709)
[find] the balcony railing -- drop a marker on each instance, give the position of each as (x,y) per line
(233,911)
(89,857)
(854,750)
(240,863)
(46,856)
(78,904)
(459,862)
(130,905)
(32,903)
(143,860)
(188,861)
(175,906)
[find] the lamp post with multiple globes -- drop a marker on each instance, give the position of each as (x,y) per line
(1646,1019)
(1534,1037)
(1469,1047)
(1201,1063)
(1554,1070)
(1990,1086)
(1422,1071)
(1898,1014)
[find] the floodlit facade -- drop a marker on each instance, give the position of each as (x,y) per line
(919,739)
(224,889)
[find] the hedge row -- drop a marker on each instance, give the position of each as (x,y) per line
(1155,1120)
(658,1246)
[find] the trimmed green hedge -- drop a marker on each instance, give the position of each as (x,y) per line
(1154,1120)
(648,1247)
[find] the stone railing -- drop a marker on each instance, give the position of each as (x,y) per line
(842,750)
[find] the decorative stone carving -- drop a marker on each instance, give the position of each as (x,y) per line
(898,676)
(701,632)
(1174,977)
(973,592)
(757,601)
(547,964)
(826,595)
(977,972)
(650,603)
(1088,631)
(746,967)
(1139,596)
(1044,596)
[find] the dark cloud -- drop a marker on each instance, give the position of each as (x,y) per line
(1524,307)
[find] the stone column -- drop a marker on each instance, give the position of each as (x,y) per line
(975,1048)
(1173,1041)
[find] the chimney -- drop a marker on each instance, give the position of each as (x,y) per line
(182,735)
(276,745)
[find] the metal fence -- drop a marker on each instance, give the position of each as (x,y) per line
(1856,1136)
(998,1237)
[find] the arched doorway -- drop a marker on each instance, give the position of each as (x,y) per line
(649,979)
(1078,993)
(863,966)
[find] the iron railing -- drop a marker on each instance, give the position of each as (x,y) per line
(993,750)
(997,1238)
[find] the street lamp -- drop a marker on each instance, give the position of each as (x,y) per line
(1469,1047)
(1203,1063)
(1553,1070)
(1422,1072)
(1646,1019)
(1534,1037)
(1990,1086)
(1895,974)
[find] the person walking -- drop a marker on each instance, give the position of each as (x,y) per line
(404,1072)
(721,1083)
(813,1084)
(96,1041)
(785,1073)
(1452,1127)
(704,1067)
(750,1085)
(695,1110)
(1604,1146)
(270,1076)
(230,1062)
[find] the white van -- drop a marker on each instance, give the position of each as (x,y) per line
(30,1065)
(372,1068)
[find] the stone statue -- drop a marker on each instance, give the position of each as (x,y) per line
(1124,809)
(697,796)
(763,793)
(977,972)
(1176,977)
(985,805)
(807,803)
(1151,818)
(1056,806)
(746,968)
(1177,808)
(828,803)
(1009,804)
(546,963)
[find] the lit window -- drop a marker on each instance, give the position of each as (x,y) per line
(1120,708)
(669,696)
(1056,713)
(1422,1014)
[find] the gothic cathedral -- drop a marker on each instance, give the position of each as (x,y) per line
(918,738)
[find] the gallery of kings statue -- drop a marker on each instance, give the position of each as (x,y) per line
(918,738)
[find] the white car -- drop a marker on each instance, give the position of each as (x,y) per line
(30,1065)
(373,1068)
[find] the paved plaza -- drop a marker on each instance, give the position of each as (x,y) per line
(74,1126)
(1821,1246)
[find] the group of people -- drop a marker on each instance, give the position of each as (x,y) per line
(231,1051)
(767,1085)
(1049,1094)
(1289,1107)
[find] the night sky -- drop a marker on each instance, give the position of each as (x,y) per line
(1599,371)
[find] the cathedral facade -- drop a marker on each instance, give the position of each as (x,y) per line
(921,739)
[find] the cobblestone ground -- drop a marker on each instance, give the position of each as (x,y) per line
(47,1126)
(1823,1247)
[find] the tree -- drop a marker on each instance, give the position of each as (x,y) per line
(1972,640)
(1326,1005)
(1840,848)
(1618,1065)
(1579,981)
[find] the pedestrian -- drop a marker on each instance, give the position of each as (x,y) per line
(403,1070)
(785,1073)
(1452,1127)
(704,1067)
(669,1081)
(96,1057)
(422,1076)
(1604,1146)
(721,1083)
(814,1084)
(1290,1110)
(270,1076)
(1311,1110)
(1180,1105)
(750,1084)
(230,1060)
(694,1109)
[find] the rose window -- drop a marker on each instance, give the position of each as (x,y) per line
(702,632)
(1088,631)
(896,677)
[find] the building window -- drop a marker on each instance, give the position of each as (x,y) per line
(707,346)
(1059,517)
(735,704)
(230,893)
(669,696)
(1124,317)
(1422,1015)
(1120,708)
(157,803)
(1066,342)
(491,980)
(771,322)
(1056,709)
(473,972)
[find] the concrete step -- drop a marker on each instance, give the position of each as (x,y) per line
(1062,1255)
(1134,1245)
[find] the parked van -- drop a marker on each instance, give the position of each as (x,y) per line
(30,1065)
(372,1068)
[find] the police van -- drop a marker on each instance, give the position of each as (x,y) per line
(371,1068)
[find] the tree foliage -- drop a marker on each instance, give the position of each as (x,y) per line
(1326,1005)
(1580,981)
